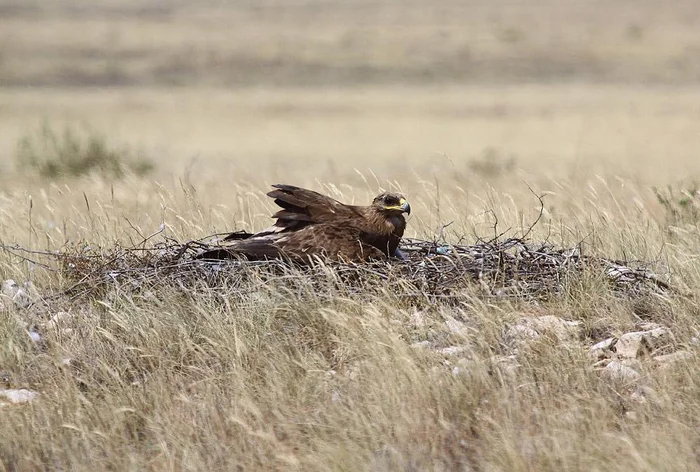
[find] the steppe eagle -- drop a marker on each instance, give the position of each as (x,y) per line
(311,224)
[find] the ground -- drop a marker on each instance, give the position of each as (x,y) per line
(472,110)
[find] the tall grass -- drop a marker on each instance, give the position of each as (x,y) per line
(273,381)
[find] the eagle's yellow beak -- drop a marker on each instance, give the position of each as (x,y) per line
(403,206)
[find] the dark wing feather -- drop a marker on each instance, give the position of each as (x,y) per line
(301,207)
(328,241)
(254,249)
(324,240)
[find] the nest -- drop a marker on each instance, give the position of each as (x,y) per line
(504,268)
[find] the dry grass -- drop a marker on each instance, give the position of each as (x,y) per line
(292,379)
(280,379)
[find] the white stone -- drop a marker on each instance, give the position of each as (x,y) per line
(657,337)
(59,320)
(602,349)
(18,396)
(638,343)
(548,325)
(418,319)
(422,345)
(673,357)
(10,288)
(618,371)
(630,345)
(453,350)
(564,330)
(457,327)
(520,332)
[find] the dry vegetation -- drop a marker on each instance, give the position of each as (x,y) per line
(284,371)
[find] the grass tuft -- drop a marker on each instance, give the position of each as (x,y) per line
(76,152)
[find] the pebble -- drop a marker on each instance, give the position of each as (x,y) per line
(17,395)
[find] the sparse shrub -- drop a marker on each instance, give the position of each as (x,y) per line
(73,153)
(682,205)
(492,163)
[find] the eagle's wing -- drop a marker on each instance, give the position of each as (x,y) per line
(302,207)
(324,240)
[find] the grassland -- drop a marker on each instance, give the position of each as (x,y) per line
(463,108)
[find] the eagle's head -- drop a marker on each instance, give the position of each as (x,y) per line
(392,203)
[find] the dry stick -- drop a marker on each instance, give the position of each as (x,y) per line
(10,250)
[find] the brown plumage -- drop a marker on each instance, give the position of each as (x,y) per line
(310,224)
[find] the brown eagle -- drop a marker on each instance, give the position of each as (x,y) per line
(310,224)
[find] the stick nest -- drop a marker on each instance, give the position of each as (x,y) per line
(509,268)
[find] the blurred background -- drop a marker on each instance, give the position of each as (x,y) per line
(246,89)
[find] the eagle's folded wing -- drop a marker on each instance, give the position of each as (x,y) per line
(323,240)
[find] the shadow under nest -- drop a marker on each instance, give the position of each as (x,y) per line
(432,272)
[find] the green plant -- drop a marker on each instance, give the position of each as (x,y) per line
(76,152)
(681,205)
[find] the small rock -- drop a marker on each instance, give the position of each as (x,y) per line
(630,345)
(422,345)
(658,337)
(505,366)
(667,359)
(335,396)
(617,371)
(10,288)
(564,330)
(639,343)
(603,349)
(548,325)
(506,292)
(644,394)
(16,293)
(464,367)
(36,337)
(519,333)
(453,350)
(457,327)
(417,319)
(18,396)
(59,320)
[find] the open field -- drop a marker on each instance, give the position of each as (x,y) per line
(472,110)
(320,42)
